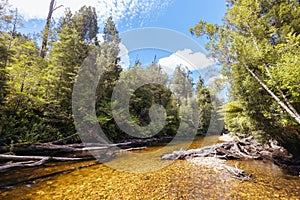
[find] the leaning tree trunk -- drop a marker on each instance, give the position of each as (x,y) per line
(281,103)
(288,104)
(290,141)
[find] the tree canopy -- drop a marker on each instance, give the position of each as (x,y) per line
(258,47)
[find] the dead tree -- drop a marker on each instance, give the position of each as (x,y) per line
(52,8)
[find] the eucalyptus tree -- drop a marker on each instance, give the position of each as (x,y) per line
(258,46)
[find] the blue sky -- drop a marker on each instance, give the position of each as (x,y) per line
(174,14)
(177,15)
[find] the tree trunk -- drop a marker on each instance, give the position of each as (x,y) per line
(30,161)
(281,103)
(241,149)
(52,8)
(27,158)
(288,104)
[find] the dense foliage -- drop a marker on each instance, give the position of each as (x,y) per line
(36,81)
(258,47)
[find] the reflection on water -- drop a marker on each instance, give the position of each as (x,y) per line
(177,180)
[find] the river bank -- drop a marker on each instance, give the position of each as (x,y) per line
(243,149)
(178,179)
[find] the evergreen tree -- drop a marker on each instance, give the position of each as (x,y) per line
(65,59)
(85,23)
(182,84)
(254,45)
(153,90)
(5,18)
(205,106)
(107,63)
(5,55)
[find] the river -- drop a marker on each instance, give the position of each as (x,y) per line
(143,175)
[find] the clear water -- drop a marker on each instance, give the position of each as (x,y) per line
(142,175)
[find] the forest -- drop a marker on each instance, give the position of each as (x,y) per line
(37,80)
(258,47)
(46,97)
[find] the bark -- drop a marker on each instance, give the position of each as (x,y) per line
(55,149)
(39,154)
(27,158)
(242,149)
(288,104)
(32,161)
(236,149)
(133,149)
(237,173)
(52,8)
(6,167)
(65,140)
(281,103)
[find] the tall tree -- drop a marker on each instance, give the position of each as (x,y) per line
(182,84)
(5,55)
(107,62)
(66,57)
(75,33)
(205,106)
(52,8)
(24,107)
(85,22)
(253,45)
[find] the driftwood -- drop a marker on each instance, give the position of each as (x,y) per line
(54,149)
(44,149)
(133,149)
(30,161)
(38,154)
(236,149)
(6,167)
(237,173)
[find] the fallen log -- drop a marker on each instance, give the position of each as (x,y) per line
(26,158)
(54,149)
(237,173)
(218,164)
(133,149)
(236,149)
(6,167)
(31,161)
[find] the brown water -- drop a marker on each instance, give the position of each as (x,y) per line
(142,175)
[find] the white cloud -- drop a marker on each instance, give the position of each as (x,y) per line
(118,9)
(124,57)
(194,61)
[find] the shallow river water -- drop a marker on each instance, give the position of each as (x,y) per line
(143,175)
